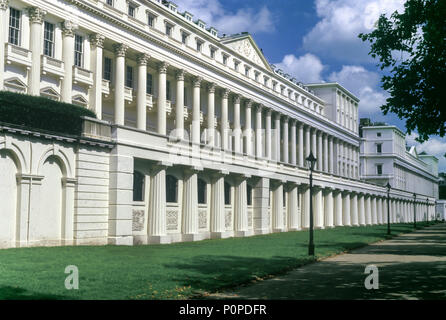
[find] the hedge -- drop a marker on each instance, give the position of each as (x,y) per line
(42,113)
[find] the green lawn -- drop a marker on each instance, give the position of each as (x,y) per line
(176,271)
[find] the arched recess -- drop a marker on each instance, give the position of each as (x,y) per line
(9,168)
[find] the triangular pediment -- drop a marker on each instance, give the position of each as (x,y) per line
(245,45)
(79,99)
(16,84)
(50,92)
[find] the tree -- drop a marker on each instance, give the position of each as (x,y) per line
(411,46)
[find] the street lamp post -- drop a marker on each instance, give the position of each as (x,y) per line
(388,207)
(427,210)
(311,160)
(414,211)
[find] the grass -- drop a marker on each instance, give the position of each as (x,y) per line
(176,271)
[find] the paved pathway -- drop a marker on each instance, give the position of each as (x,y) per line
(411,266)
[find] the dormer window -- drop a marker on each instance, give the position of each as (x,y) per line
(172,6)
(213,31)
(188,16)
(201,24)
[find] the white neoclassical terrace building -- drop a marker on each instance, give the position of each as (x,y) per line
(198,135)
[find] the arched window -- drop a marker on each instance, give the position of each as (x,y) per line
(202,191)
(171,189)
(249,195)
(138,186)
(227,193)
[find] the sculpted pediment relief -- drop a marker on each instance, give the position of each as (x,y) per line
(247,48)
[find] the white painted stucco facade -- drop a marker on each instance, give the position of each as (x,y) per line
(202,139)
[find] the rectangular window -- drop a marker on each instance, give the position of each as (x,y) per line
(149,84)
(379,148)
(236,65)
(247,71)
(212,53)
(184,37)
(14,26)
(48,39)
(131,11)
(109,2)
(168,30)
(378,134)
(379,169)
(107,68)
(199,44)
(225,59)
(151,20)
(129,77)
(78,50)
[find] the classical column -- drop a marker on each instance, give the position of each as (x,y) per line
(318,209)
(374,211)
(307,142)
(277,211)
(338,208)
(268,135)
(362,221)
(305,206)
(224,126)
(156,229)
(346,206)
(277,136)
(330,155)
(218,229)
(320,155)
(3,7)
(301,145)
(68,59)
(293,142)
(328,208)
(211,115)
(379,207)
(161,115)
(384,210)
(248,129)
(120,50)
(325,142)
(97,45)
(179,105)
(36,15)
(368,210)
(354,214)
(189,228)
(285,149)
(259,145)
(240,208)
(141,95)
(294,222)
(196,110)
(314,145)
(237,128)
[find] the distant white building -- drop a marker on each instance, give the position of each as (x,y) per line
(440,209)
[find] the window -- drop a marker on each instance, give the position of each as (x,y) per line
(150,20)
(184,36)
(212,53)
(256,76)
(149,84)
(129,77)
(378,134)
(265,81)
(131,10)
(169,29)
(247,71)
(168,90)
(225,59)
(107,68)
(48,39)
(171,189)
(236,64)
(14,26)
(379,148)
(202,191)
(227,193)
(138,186)
(78,50)
(199,45)
(109,2)
(379,169)
(249,195)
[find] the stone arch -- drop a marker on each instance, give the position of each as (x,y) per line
(63,160)
(10,167)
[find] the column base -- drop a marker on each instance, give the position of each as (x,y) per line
(220,235)
(294,229)
(278,230)
(319,227)
(121,241)
(246,233)
(190,237)
(158,239)
(261,231)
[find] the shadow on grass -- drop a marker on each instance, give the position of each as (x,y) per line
(16,293)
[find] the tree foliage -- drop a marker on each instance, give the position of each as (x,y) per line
(411,46)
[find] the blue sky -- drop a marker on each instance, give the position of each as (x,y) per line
(315,41)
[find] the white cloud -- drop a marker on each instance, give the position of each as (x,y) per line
(244,19)
(306,68)
(364,84)
(433,146)
(336,34)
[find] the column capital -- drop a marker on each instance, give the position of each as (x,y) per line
(259,107)
(36,14)
(97,40)
(142,58)
(197,81)
(68,28)
(293,122)
(120,49)
(162,67)
(285,118)
(237,98)
(268,111)
(180,74)
(211,87)
(4,4)
(249,103)
(277,115)
(226,93)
